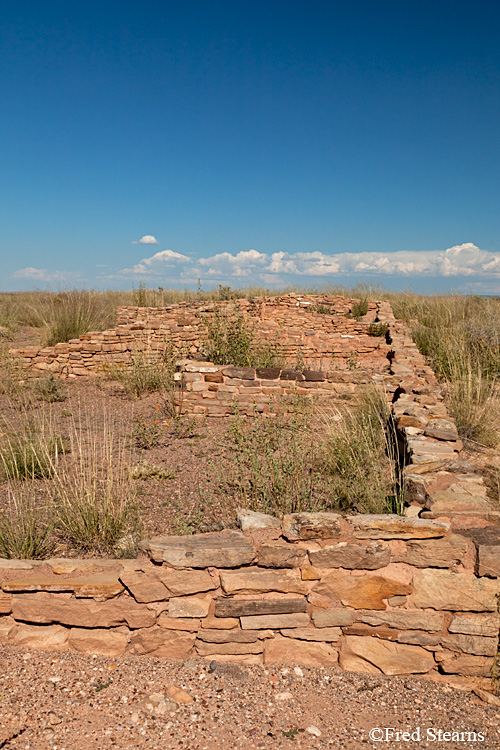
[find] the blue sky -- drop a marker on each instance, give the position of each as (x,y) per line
(243,143)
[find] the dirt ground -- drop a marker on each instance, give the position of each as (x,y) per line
(66,701)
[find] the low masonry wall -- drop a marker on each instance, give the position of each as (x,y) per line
(376,594)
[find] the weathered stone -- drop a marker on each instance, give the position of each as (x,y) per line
(314,376)
(326,618)
(248,580)
(381,631)
(467,665)
(457,493)
(179,695)
(418,638)
(144,587)
(191,606)
(386,526)
(388,657)
(209,649)
(156,705)
(436,553)
(275,622)
(352,555)
(476,624)
(242,373)
(308,573)
(102,585)
(471,644)
(489,560)
(405,619)
(293,651)
(97,641)
(228,549)
(280,555)
(222,623)
(289,374)
(228,636)
(229,607)
(311,526)
(248,520)
(360,592)
(313,634)
(268,373)
(8,627)
(441,429)
(442,589)
(178,623)
(5,603)
(183,582)
(174,644)
(43,637)
(45,608)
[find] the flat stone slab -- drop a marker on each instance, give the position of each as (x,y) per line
(311,526)
(360,592)
(352,555)
(275,622)
(100,585)
(248,520)
(391,526)
(403,619)
(359,652)
(458,592)
(230,607)
(248,580)
(280,554)
(227,549)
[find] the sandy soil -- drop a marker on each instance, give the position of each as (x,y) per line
(66,701)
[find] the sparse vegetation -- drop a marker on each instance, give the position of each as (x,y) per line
(25,525)
(378,329)
(49,388)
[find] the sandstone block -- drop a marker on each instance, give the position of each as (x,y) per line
(326,618)
(489,560)
(311,526)
(8,627)
(313,634)
(352,555)
(191,606)
(388,657)
(227,549)
(403,619)
(293,651)
(441,429)
(229,607)
(387,526)
(228,636)
(457,493)
(275,622)
(242,373)
(43,637)
(435,553)
(268,373)
(222,623)
(178,623)
(280,555)
(45,609)
(5,603)
(360,592)
(443,589)
(419,638)
(248,520)
(144,587)
(102,585)
(250,580)
(174,644)
(467,665)
(209,649)
(476,624)
(97,641)
(184,582)
(471,644)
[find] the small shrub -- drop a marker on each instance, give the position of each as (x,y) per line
(49,388)
(143,470)
(147,433)
(322,309)
(378,329)
(25,526)
(231,340)
(148,372)
(359,309)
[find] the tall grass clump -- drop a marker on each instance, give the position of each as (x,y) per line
(30,449)
(25,525)
(231,340)
(95,506)
(460,337)
(361,457)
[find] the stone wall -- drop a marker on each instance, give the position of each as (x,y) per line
(321,341)
(377,594)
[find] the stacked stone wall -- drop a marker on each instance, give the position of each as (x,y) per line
(377,594)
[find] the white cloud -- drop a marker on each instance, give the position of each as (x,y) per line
(41,274)
(148,239)
(251,266)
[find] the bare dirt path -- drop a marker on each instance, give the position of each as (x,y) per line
(66,701)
